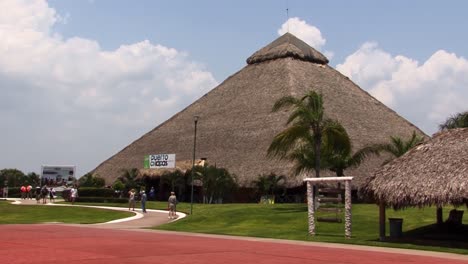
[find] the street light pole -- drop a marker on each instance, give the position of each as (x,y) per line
(195,119)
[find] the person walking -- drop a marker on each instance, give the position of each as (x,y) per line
(131,199)
(52,195)
(38,194)
(73,194)
(23,192)
(171,204)
(152,193)
(44,193)
(143,201)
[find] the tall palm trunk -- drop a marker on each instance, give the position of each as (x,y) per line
(318,143)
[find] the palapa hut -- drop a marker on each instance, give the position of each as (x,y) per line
(434,173)
(236,124)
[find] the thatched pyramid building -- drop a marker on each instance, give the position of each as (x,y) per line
(236,124)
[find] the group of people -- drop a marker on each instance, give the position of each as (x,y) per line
(26,192)
(44,193)
(171,202)
(39,193)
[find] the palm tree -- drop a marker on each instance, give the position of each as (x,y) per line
(130,179)
(216,183)
(457,121)
(336,158)
(268,184)
(175,180)
(308,127)
(339,161)
(398,146)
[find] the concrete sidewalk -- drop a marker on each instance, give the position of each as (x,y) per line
(139,220)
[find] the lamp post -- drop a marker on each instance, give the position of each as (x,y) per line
(195,119)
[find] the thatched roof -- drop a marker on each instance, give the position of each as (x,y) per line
(433,173)
(288,46)
(236,124)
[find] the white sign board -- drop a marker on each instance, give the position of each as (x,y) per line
(57,174)
(160,161)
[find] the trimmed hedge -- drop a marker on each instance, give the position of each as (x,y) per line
(15,192)
(95,192)
(101,200)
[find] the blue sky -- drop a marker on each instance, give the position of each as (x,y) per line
(80,80)
(232,30)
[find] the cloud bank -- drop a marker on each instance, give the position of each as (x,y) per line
(63,99)
(424,93)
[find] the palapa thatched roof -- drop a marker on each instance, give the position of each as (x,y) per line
(433,173)
(236,124)
(287,46)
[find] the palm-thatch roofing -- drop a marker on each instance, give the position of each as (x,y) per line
(236,124)
(287,46)
(432,173)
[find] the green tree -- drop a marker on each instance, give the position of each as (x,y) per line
(269,184)
(90,180)
(216,183)
(118,186)
(175,180)
(13,177)
(129,178)
(456,121)
(336,158)
(398,146)
(34,179)
(307,127)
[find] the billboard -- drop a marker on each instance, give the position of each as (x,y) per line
(160,161)
(57,174)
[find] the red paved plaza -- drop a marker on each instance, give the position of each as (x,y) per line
(75,244)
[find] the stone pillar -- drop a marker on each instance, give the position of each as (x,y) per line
(381,221)
(311,207)
(348,209)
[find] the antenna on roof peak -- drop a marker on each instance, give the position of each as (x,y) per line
(287,14)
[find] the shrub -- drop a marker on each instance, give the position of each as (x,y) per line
(66,194)
(14,192)
(101,200)
(95,192)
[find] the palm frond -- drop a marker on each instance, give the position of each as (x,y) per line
(357,158)
(286,140)
(456,121)
(284,102)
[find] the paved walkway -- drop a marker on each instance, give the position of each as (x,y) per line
(125,243)
(139,220)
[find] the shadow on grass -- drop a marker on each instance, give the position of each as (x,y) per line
(290,210)
(448,236)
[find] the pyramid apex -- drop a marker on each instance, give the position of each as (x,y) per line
(285,46)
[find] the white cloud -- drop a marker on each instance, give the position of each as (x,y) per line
(425,93)
(73,93)
(306,32)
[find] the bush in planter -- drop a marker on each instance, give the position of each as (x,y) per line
(95,192)
(101,200)
(66,194)
(14,192)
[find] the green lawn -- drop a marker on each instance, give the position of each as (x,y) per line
(289,221)
(32,214)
